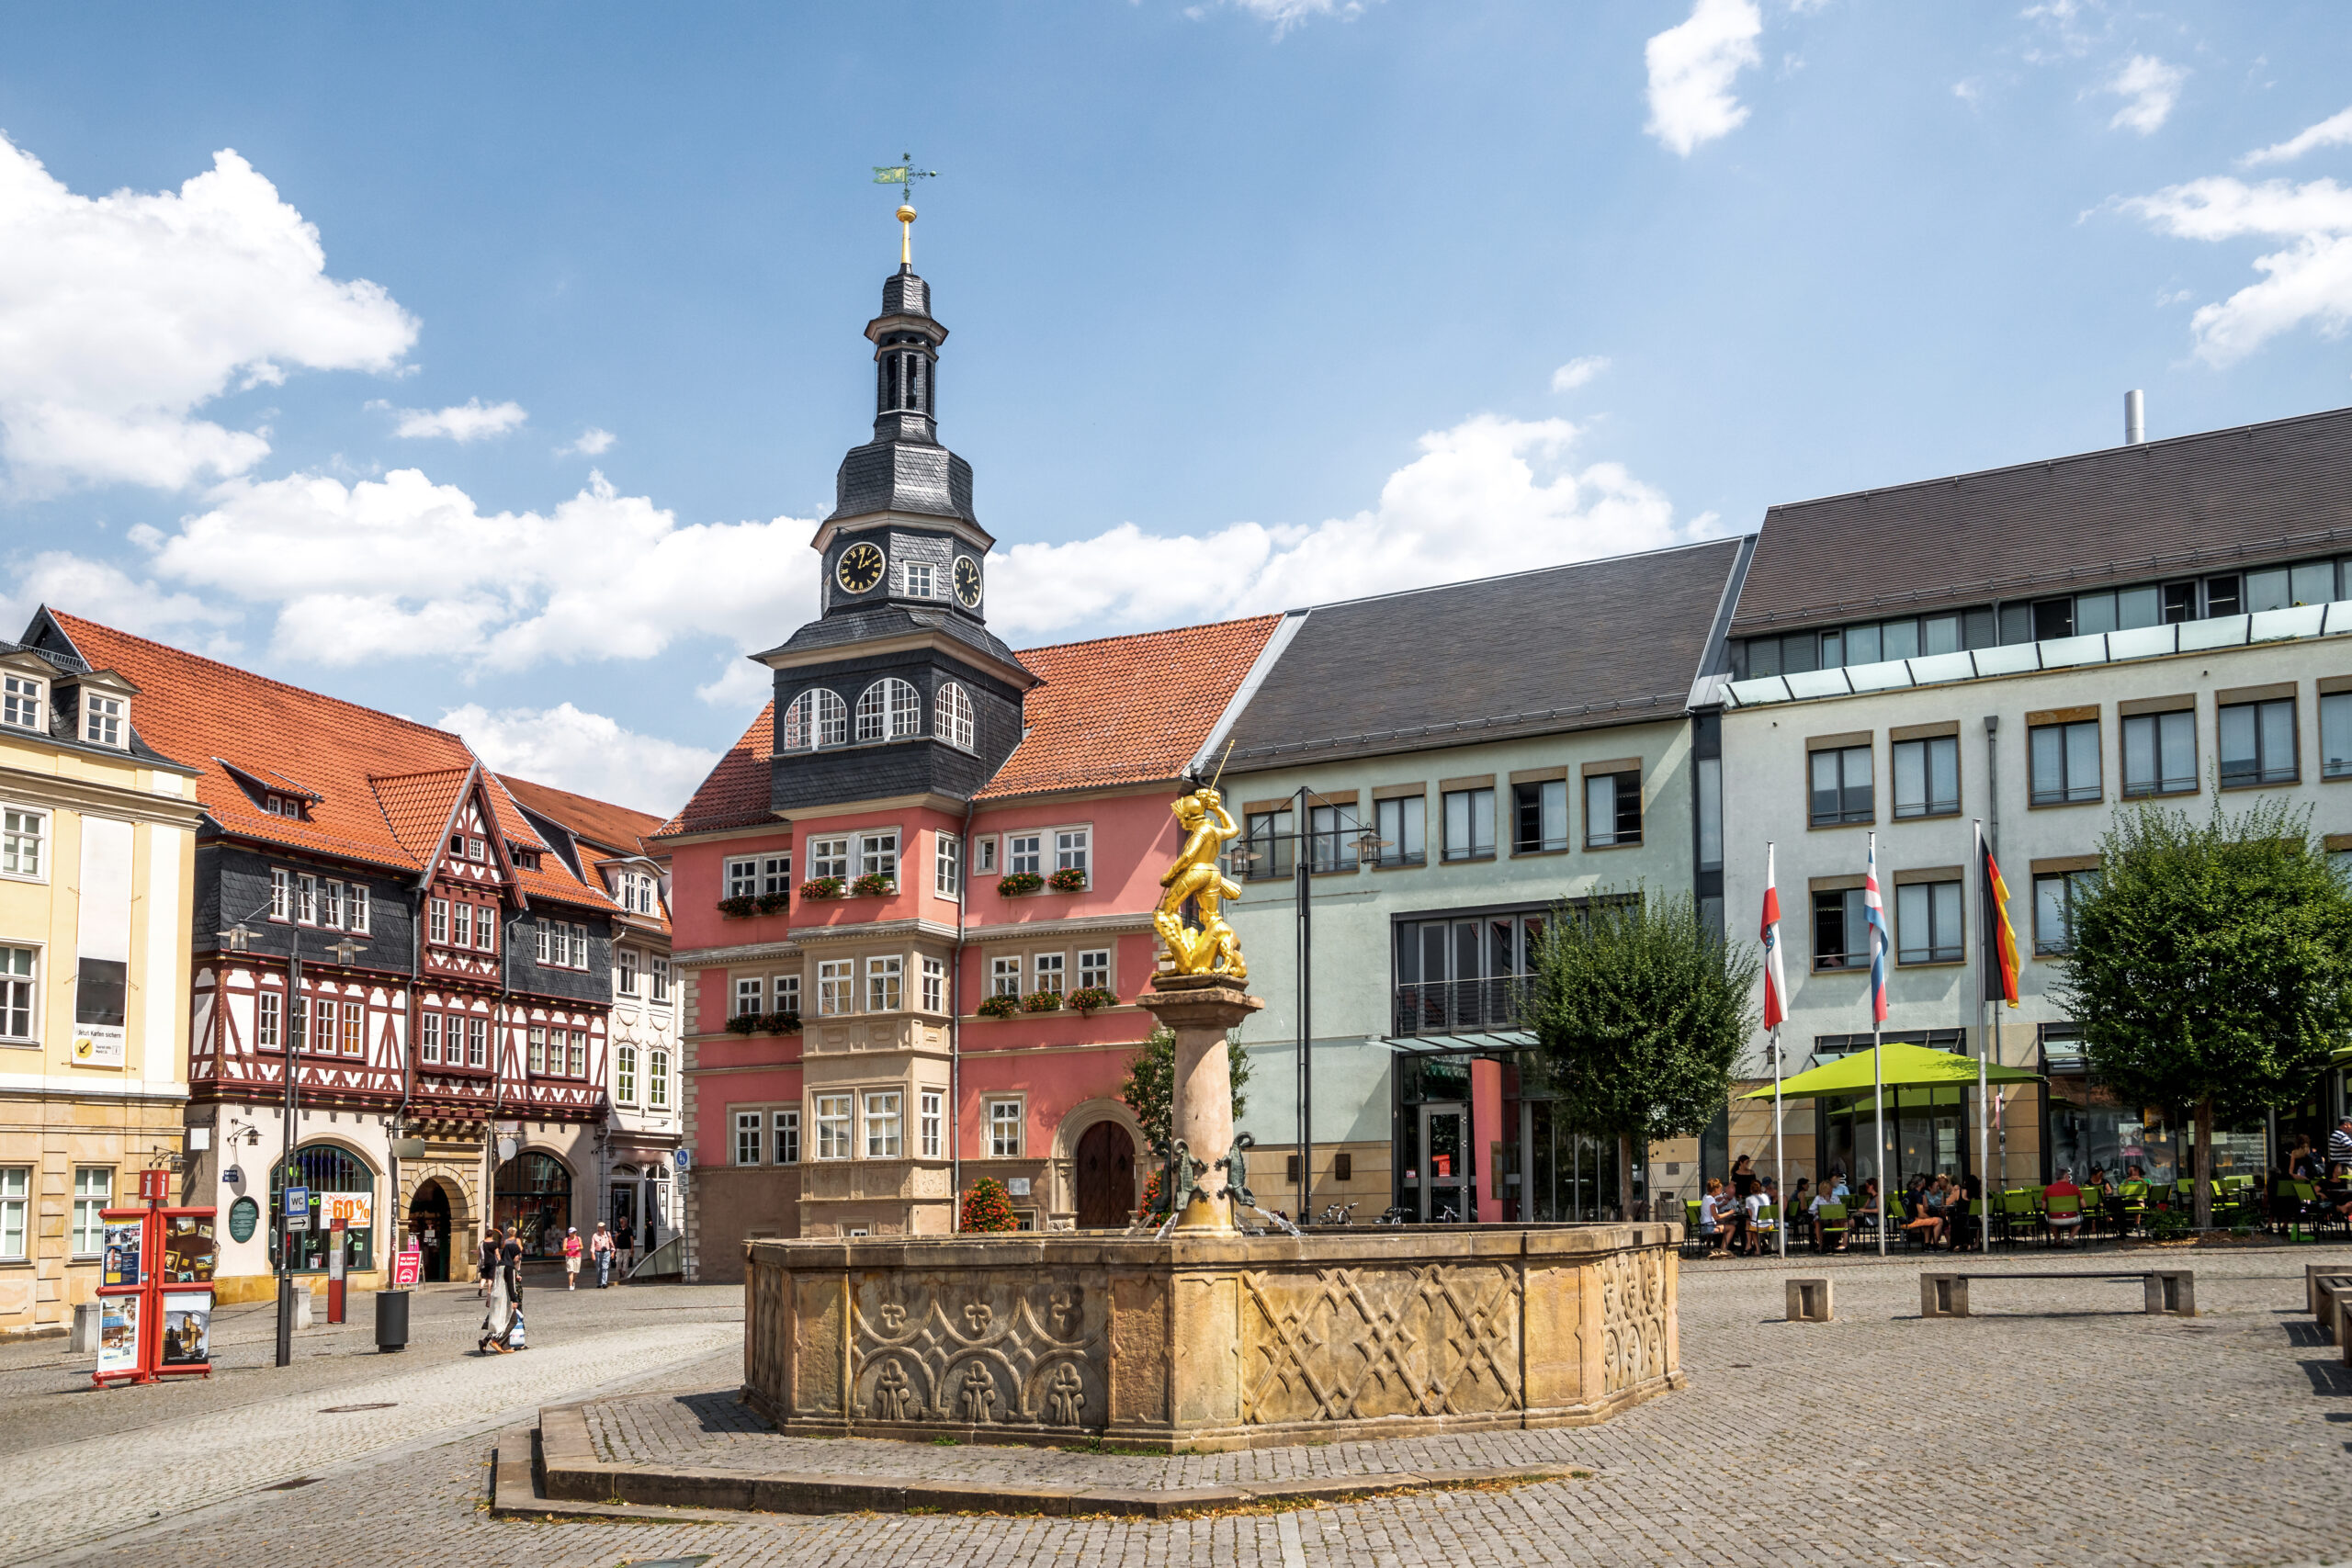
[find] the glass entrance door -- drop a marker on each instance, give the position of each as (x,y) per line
(1445,1145)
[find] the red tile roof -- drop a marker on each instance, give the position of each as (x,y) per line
(1111,711)
(615,829)
(1127,710)
(385,784)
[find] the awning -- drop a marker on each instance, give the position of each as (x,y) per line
(1903,1067)
(1496,1043)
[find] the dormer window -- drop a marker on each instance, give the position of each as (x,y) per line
(282,806)
(22,701)
(103,719)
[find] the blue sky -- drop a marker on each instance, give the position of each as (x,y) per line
(490,364)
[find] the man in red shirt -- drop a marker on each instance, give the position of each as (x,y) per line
(2063,1225)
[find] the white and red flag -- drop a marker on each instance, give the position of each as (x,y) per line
(1776,984)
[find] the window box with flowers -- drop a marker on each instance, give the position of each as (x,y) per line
(774,903)
(1042,1001)
(1069,879)
(874,885)
(1086,998)
(823,887)
(739,907)
(999,1006)
(743,1024)
(1018,883)
(780,1023)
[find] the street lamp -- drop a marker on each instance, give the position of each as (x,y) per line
(238,938)
(1368,842)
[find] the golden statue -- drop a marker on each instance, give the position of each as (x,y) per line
(1209,948)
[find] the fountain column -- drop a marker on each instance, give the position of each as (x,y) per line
(1200,1010)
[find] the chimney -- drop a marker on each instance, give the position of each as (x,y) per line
(2135,418)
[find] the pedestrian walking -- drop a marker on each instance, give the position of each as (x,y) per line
(625,1240)
(572,1259)
(600,1247)
(488,1263)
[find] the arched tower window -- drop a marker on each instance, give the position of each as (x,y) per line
(816,718)
(952,721)
(889,710)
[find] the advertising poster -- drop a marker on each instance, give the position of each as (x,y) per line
(356,1210)
(99,1045)
(187,1328)
(189,1251)
(118,1336)
(122,1252)
(407,1268)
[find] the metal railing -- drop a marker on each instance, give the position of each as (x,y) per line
(1454,1007)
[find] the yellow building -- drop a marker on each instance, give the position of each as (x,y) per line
(98,868)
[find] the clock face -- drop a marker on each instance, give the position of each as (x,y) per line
(860,567)
(967,581)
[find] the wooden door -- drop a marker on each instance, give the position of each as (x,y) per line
(1107,1176)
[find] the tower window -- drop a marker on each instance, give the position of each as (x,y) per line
(952,721)
(890,709)
(817,718)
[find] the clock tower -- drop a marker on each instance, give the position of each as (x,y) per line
(897,688)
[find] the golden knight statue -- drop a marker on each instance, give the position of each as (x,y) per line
(1210,947)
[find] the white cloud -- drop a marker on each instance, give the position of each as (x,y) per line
(1577,371)
(2335,130)
(469,421)
(2308,281)
(100,591)
(1692,68)
(593,442)
(122,315)
(1288,14)
(1489,495)
(2149,88)
(585,752)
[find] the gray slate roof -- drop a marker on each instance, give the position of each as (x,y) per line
(1567,648)
(2194,503)
(843,627)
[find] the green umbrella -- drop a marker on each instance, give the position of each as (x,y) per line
(1903,1066)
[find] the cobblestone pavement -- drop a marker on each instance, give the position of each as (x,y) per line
(2089,1437)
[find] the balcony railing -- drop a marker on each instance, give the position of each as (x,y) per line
(1461,1007)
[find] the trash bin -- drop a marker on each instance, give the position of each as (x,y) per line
(391,1320)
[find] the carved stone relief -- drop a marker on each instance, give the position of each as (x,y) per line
(1355,1344)
(979,1348)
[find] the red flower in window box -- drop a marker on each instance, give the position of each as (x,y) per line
(1018,883)
(874,885)
(999,1006)
(1069,879)
(743,1024)
(1086,998)
(1043,1001)
(737,908)
(780,1023)
(773,903)
(822,887)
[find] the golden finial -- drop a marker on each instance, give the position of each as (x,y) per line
(905,173)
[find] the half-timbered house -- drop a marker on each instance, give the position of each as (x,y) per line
(373,911)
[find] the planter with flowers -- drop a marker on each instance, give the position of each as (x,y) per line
(1086,998)
(1042,1001)
(772,903)
(999,1006)
(823,887)
(874,885)
(743,1024)
(1069,879)
(780,1023)
(738,907)
(1019,883)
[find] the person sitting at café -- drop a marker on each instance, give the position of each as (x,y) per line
(1759,1226)
(2062,1225)
(1711,1231)
(1866,1202)
(1799,1215)
(1925,1216)
(1823,1199)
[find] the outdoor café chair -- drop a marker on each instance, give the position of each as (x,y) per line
(2064,1214)
(1830,1226)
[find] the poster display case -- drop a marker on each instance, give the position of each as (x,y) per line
(156,1290)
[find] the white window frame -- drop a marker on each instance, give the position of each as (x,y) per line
(356,906)
(486,928)
(306,899)
(878,854)
(1073,850)
(269,1021)
(478,1043)
(1093,967)
(20,994)
(933,1104)
(836,986)
(428,1035)
(884,1122)
(625,1073)
(919,575)
(743,876)
(786,989)
(16,1210)
(829,856)
(934,986)
(832,1116)
(1004,975)
(657,1080)
(775,873)
(946,865)
(24,702)
(625,967)
(952,716)
(784,1129)
(281,894)
(535,1049)
(543,950)
(24,841)
(1025,853)
(885,975)
(88,1236)
(984,856)
(331,905)
(1006,1119)
(576,1058)
(750,1131)
(461,923)
(1049,972)
(660,976)
(106,719)
(890,709)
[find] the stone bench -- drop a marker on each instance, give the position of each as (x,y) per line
(2331,1292)
(2168,1290)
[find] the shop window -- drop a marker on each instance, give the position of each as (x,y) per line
(339,1181)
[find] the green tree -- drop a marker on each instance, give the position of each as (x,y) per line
(1639,1011)
(1149,1088)
(2210,964)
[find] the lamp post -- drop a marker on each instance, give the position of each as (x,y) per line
(237,939)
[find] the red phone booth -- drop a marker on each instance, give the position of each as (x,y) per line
(155,1289)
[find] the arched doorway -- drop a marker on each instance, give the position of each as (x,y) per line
(1107,1176)
(428,1222)
(533,1195)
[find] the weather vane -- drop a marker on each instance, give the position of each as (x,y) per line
(904,174)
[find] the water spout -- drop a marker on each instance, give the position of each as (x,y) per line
(1166,1226)
(1276,1221)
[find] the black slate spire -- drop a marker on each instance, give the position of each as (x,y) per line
(904,468)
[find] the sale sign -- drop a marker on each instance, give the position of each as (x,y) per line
(356,1210)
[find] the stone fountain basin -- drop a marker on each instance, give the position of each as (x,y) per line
(1210,1340)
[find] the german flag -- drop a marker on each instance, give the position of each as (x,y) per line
(2000,937)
